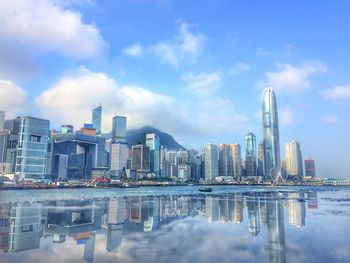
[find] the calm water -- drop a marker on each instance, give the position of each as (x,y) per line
(176,224)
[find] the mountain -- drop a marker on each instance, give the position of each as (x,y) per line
(136,136)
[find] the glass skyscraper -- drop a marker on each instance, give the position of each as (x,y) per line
(32,148)
(152,141)
(250,154)
(270,131)
(97,119)
(118,155)
(119,129)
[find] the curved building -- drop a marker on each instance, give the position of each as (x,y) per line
(270,131)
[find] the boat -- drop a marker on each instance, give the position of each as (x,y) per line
(205,189)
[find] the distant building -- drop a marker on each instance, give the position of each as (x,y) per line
(32,148)
(8,145)
(184,171)
(67,128)
(236,160)
(118,154)
(310,169)
(250,153)
(224,160)
(211,162)
(272,156)
(97,119)
(261,170)
(293,160)
(88,129)
(2,120)
(152,141)
(140,158)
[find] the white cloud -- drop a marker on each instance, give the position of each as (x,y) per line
(12,98)
(240,68)
(45,26)
(134,50)
(338,93)
(184,46)
(202,84)
(330,118)
(286,115)
(293,79)
(73,97)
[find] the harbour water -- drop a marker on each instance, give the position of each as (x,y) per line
(176,224)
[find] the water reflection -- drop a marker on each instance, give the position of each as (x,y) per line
(24,225)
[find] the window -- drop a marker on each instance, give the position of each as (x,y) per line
(27,228)
(35,138)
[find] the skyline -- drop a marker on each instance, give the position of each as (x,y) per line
(200,62)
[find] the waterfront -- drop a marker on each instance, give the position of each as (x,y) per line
(176,224)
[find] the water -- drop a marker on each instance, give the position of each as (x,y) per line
(176,224)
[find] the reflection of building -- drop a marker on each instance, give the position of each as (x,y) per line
(271,131)
(115,221)
(211,210)
(312,200)
(296,206)
(237,216)
(253,207)
(275,228)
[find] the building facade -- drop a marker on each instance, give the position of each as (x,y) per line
(310,169)
(293,160)
(250,155)
(211,162)
(270,131)
(153,142)
(118,153)
(97,119)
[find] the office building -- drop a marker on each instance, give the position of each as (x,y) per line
(184,171)
(310,169)
(118,154)
(261,170)
(2,121)
(250,153)
(293,160)
(140,158)
(152,141)
(32,148)
(211,162)
(224,160)
(66,128)
(97,119)
(235,150)
(271,140)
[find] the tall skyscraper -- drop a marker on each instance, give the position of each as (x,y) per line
(261,169)
(32,148)
(236,166)
(97,119)
(118,152)
(140,158)
(293,160)
(2,120)
(224,160)
(250,154)
(152,141)
(211,162)
(270,131)
(310,169)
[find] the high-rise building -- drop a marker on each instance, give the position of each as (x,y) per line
(97,119)
(270,131)
(235,150)
(293,160)
(261,170)
(310,169)
(119,129)
(152,141)
(2,120)
(211,162)
(140,158)
(32,148)
(224,160)
(66,128)
(250,155)
(118,154)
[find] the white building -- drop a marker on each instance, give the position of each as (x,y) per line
(211,162)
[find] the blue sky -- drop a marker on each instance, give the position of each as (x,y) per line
(195,69)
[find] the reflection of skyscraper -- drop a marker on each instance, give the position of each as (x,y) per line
(237,216)
(312,200)
(89,248)
(212,208)
(275,228)
(253,208)
(297,212)
(270,131)
(115,223)
(97,119)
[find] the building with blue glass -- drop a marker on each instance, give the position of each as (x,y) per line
(153,142)
(97,119)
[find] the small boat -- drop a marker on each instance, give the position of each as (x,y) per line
(205,189)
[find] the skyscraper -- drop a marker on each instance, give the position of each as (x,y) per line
(140,158)
(152,141)
(270,131)
(261,170)
(118,152)
(32,148)
(236,164)
(224,160)
(310,168)
(97,119)
(293,160)
(250,154)
(211,162)
(2,120)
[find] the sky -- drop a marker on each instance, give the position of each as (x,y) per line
(194,69)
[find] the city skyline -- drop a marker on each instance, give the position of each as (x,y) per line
(222,62)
